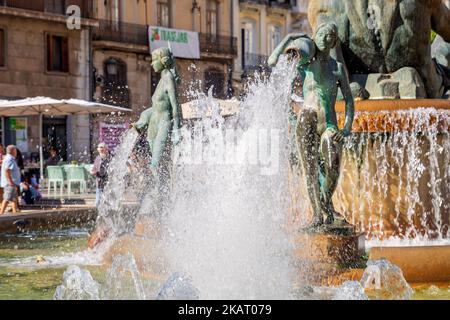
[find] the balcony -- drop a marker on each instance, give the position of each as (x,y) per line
(301,7)
(252,62)
(217,44)
(136,34)
(285,4)
(122,32)
(50,6)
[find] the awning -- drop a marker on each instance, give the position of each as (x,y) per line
(43,106)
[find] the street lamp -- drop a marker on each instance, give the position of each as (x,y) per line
(111,67)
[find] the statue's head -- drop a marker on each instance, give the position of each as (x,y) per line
(326,36)
(162,59)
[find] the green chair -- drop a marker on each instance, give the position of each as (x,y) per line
(88,168)
(90,177)
(55,175)
(76,175)
(66,168)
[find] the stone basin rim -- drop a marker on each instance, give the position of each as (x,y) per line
(395,105)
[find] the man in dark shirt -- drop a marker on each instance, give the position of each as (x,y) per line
(54,158)
(100,171)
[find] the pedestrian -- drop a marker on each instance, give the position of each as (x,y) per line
(21,163)
(54,158)
(2,155)
(10,179)
(100,171)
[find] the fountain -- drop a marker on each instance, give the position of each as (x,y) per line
(237,220)
(225,210)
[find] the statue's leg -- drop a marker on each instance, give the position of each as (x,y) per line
(159,143)
(308,145)
(157,138)
(330,155)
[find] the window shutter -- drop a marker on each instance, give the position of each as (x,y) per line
(2,48)
(65,54)
(49,53)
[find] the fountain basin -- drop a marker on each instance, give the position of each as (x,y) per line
(427,264)
(395,178)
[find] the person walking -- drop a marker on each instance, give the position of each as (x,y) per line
(2,156)
(100,171)
(10,179)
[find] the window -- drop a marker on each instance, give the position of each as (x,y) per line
(248,44)
(274,37)
(248,37)
(2,48)
(57,53)
(212,17)
(215,78)
(164,19)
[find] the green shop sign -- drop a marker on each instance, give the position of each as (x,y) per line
(171,36)
(17,123)
(184,44)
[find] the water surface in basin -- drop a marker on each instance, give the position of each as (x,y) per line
(22,277)
(32,264)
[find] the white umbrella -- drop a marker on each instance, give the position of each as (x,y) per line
(47,106)
(195,109)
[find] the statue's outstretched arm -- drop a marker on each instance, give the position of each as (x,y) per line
(440,19)
(279,50)
(349,101)
(176,108)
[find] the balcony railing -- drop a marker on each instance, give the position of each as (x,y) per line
(121,32)
(287,4)
(50,6)
(254,61)
(218,44)
(138,34)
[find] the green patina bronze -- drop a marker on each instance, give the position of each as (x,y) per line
(385,45)
(163,119)
(319,140)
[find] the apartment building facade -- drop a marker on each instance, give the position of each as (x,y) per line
(121,51)
(259,27)
(107,59)
(41,56)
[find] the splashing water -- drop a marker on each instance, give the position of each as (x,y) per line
(350,290)
(386,280)
(178,287)
(112,210)
(226,228)
(123,280)
(78,284)
(395,182)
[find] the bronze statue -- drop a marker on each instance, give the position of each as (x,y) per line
(163,119)
(162,122)
(385,45)
(318,138)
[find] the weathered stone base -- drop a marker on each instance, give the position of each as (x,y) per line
(146,247)
(328,253)
(405,83)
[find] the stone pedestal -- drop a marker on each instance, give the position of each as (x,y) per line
(328,252)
